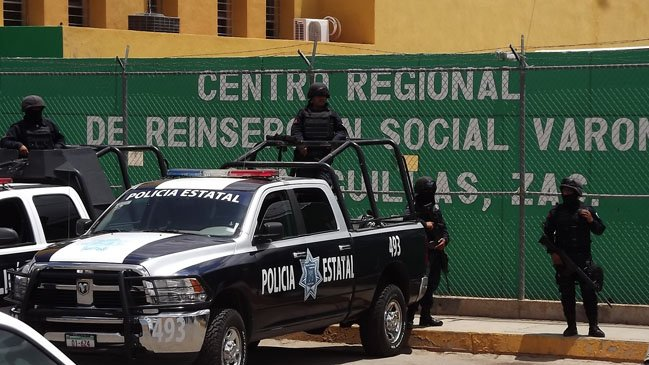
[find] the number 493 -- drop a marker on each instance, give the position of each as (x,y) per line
(169,329)
(394,246)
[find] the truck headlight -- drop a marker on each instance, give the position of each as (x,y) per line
(20,281)
(175,291)
(19,287)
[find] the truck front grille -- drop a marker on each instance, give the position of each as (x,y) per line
(101,289)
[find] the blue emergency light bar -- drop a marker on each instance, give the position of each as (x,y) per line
(186,173)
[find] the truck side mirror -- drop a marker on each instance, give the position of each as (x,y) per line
(82,225)
(8,237)
(269,232)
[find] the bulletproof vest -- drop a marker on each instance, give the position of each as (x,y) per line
(430,213)
(318,126)
(39,139)
(573,233)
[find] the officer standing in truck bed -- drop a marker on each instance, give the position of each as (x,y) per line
(316,122)
(33,132)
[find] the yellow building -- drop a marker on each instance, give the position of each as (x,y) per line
(211,28)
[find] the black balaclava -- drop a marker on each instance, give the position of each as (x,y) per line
(425,188)
(311,106)
(34,115)
(425,198)
(571,201)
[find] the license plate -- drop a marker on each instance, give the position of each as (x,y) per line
(80,340)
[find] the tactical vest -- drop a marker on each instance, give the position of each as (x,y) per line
(573,233)
(40,139)
(318,126)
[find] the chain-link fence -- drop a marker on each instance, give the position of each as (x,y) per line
(460,122)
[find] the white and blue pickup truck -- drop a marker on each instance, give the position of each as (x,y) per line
(204,267)
(33,216)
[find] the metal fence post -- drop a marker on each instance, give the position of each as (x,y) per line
(521,169)
(124,94)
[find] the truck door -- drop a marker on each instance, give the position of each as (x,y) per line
(305,277)
(276,276)
(328,250)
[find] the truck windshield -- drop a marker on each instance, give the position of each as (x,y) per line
(192,211)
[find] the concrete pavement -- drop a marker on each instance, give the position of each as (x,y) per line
(536,309)
(623,343)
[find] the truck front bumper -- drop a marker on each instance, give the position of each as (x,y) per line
(161,333)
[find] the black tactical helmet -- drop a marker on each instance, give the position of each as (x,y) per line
(425,185)
(32,102)
(570,183)
(318,89)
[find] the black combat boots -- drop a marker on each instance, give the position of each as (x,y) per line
(594,331)
(428,321)
(570,331)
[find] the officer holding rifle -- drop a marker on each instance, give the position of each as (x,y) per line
(568,227)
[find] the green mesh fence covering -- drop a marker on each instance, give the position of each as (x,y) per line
(456,117)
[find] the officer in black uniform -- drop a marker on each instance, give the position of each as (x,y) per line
(316,122)
(569,225)
(33,132)
(437,235)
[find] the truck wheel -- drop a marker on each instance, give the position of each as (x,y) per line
(225,340)
(383,330)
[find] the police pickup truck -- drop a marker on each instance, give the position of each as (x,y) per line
(206,266)
(44,196)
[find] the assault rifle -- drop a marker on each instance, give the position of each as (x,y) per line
(571,266)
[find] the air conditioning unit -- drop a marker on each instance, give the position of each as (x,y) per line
(153,22)
(305,29)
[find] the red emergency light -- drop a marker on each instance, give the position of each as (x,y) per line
(253,173)
(6,180)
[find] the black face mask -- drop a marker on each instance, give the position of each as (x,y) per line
(571,201)
(34,115)
(425,198)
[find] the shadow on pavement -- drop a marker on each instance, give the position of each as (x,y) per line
(266,355)
(321,355)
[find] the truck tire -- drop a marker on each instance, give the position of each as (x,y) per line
(225,340)
(383,329)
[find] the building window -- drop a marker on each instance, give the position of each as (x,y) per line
(272,19)
(153,6)
(13,12)
(224,18)
(77,10)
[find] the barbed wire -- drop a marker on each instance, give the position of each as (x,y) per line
(320,71)
(391,52)
(297,44)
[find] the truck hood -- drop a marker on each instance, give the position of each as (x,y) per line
(125,247)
